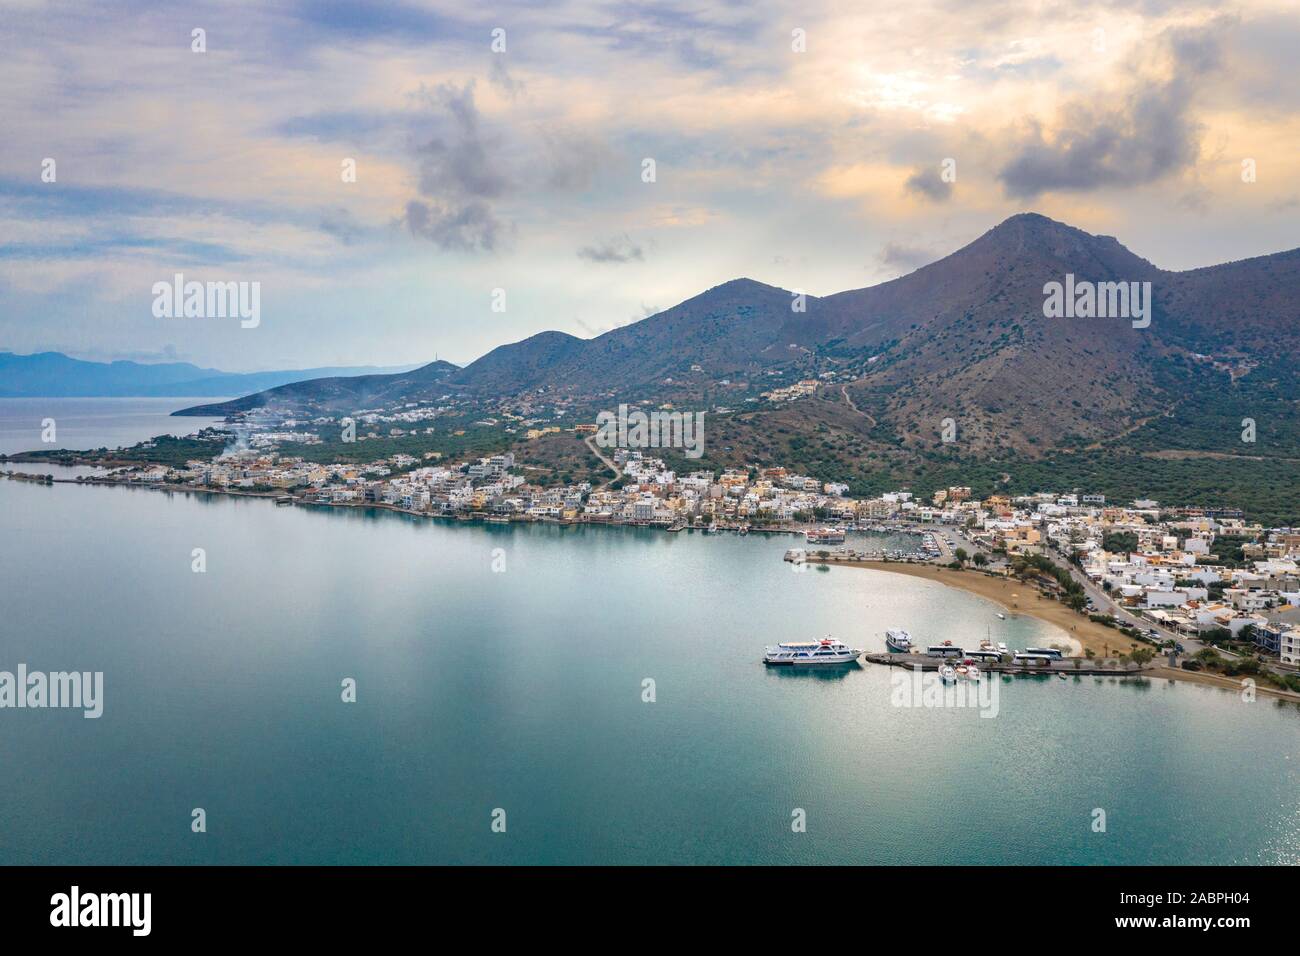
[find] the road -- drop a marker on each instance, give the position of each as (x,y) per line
(590,443)
(1106,605)
(1093,591)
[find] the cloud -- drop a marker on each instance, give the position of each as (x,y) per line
(342,225)
(899,256)
(619,249)
(459,178)
(468,228)
(926,182)
(574,159)
(499,76)
(1151,134)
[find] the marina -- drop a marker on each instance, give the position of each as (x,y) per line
(1019,665)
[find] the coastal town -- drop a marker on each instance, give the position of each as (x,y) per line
(1193,580)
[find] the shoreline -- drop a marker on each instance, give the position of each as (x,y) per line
(1089,633)
(463,517)
(1015,597)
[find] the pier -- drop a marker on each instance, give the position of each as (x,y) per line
(1102,666)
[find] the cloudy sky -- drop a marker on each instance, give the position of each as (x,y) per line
(522,169)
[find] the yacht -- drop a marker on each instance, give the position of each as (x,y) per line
(811,653)
(897,639)
(948,674)
(825,536)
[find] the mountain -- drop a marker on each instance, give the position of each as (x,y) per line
(964,338)
(53,374)
(340,392)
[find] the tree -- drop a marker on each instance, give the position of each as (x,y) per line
(979,559)
(1076,601)
(1209,657)
(961,555)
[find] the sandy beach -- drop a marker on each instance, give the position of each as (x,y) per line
(1017,597)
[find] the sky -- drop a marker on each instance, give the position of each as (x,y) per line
(500,151)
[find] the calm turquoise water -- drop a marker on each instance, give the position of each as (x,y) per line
(82,423)
(522,690)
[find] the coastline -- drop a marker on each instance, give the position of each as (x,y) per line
(1210,679)
(1016,597)
(1089,634)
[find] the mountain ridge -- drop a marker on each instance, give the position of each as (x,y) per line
(53,374)
(962,338)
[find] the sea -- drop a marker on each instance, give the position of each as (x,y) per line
(345,686)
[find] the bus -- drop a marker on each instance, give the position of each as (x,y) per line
(1051,652)
(943,650)
(1037,660)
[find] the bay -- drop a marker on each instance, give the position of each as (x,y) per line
(522,690)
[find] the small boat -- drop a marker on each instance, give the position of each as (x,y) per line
(1001,616)
(897,639)
(1062,676)
(811,653)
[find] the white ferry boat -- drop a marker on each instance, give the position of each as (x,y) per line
(825,536)
(811,653)
(897,639)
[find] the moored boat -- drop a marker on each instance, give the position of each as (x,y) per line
(897,639)
(811,653)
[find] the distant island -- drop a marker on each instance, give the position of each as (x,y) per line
(55,375)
